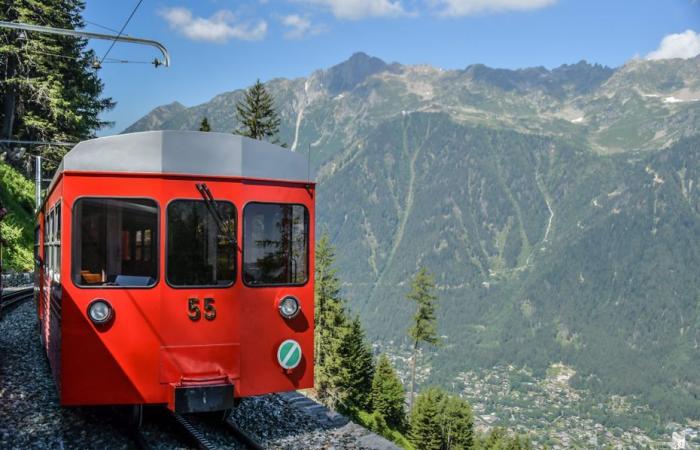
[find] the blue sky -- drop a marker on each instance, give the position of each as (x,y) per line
(222,45)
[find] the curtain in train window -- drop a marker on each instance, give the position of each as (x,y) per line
(201,243)
(104,237)
(275,244)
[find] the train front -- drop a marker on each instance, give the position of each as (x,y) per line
(189,285)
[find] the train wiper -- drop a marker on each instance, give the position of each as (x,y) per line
(210,202)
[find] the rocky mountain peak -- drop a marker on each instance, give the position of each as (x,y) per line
(348,74)
(580,78)
(157,117)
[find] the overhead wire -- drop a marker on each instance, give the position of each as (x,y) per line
(126,61)
(73,58)
(39,52)
(104,59)
(122,30)
(104,27)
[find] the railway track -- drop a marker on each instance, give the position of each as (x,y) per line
(11,300)
(194,436)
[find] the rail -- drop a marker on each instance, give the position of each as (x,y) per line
(180,424)
(11,300)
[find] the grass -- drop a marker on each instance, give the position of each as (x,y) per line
(17,196)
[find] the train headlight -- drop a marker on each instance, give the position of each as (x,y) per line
(289,307)
(100,312)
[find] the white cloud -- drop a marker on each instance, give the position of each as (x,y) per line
(359,9)
(301,26)
(220,27)
(456,8)
(681,45)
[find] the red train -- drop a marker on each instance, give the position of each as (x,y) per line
(177,268)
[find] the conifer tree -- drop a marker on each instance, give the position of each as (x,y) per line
(426,432)
(257,115)
(50,90)
(204,126)
(457,423)
(330,327)
(424,327)
(498,439)
(388,396)
(441,421)
(356,354)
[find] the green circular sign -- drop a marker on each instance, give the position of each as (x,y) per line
(289,354)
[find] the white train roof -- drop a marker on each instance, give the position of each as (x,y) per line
(187,152)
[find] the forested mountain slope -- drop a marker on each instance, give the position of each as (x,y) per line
(557,209)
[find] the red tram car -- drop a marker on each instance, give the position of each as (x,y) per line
(177,268)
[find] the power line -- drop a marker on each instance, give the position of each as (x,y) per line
(39,52)
(49,143)
(103,27)
(73,58)
(126,61)
(122,30)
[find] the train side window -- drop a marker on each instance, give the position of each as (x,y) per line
(46,244)
(50,243)
(57,243)
(275,244)
(37,244)
(201,243)
(104,231)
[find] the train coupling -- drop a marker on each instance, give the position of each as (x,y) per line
(206,394)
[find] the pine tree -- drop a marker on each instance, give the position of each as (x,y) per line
(443,421)
(256,114)
(426,431)
(498,439)
(356,355)
(204,126)
(423,329)
(50,91)
(388,396)
(330,326)
(457,423)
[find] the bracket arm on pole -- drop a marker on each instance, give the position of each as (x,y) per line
(89,35)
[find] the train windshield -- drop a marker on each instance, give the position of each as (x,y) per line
(201,243)
(115,242)
(275,244)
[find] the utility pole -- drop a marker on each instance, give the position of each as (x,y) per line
(89,35)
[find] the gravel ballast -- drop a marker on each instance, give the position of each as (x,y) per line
(31,418)
(29,413)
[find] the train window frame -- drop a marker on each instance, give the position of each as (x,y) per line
(37,245)
(56,243)
(156,243)
(49,244)
(308,246)
(45,246)
(235,248)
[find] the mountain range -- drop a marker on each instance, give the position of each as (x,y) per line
(558,210)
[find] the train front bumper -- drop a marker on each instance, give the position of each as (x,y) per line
(195,398)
